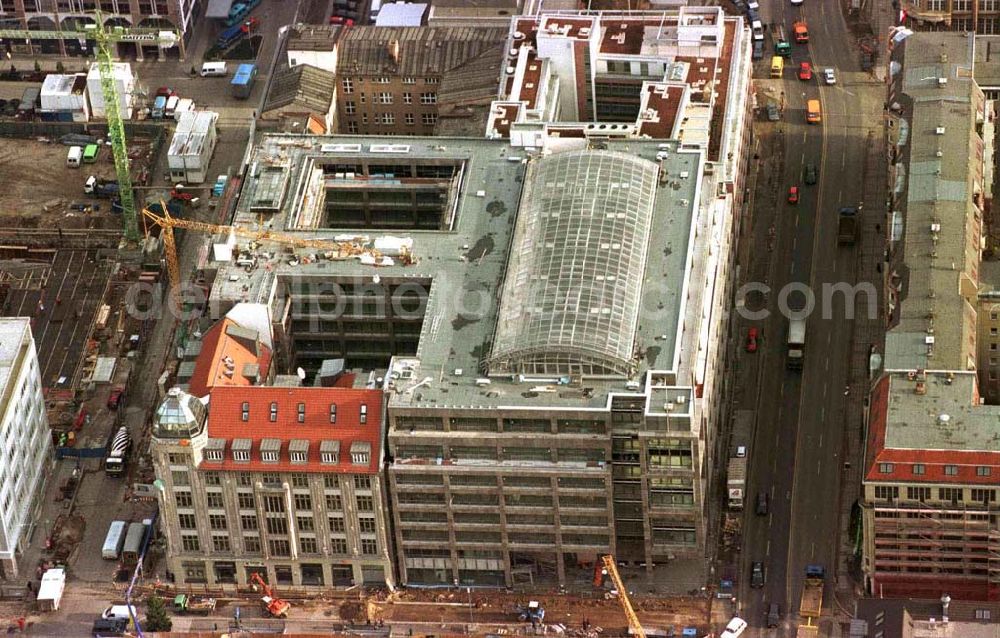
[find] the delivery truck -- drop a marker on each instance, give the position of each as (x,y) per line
(847,225)
(50,591)
(811,604)
(114,541)
(736,482)
(796,342)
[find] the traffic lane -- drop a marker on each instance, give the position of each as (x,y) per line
(817,472)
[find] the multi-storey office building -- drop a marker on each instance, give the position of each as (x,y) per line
(283,481)
(553,365)
(24,434)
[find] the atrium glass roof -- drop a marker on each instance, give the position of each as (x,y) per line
(571,295)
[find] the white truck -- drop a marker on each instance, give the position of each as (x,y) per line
(50,591)
(796,343)
(736,482)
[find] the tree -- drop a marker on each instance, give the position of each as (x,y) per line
(60,68)
(156,616)
(38,66)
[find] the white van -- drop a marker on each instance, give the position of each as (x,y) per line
(735,628)
(75,156)
(118,611)
(213,69)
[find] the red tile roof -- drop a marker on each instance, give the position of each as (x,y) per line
(225,421)
(216,345)
(966,462)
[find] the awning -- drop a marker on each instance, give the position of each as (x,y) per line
(218,8)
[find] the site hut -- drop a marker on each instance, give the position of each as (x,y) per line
(192,146)
(546,354)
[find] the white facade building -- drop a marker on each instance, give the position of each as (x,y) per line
(24,434)
(63,93)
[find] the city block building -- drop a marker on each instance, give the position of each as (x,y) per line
(283,481)
(554,367)
(929,503)
(24,434)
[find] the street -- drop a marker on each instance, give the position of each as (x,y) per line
(797,453)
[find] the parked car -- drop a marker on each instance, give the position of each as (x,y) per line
(810,176)
(115,398)
(805,72)
(108,627)
(741,451)
(752,339)
(829,76)
(761,504)
(164,91)
(250,25)
(773,115)
(793,194)
(757,574)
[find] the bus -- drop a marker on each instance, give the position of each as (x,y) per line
(782,45)
(90,153)
(114,540)
(777,66)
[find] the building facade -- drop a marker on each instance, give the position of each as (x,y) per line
(280,481)
(981,16)
(24,434)
(70,15)
(389,77)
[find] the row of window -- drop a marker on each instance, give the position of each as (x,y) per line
(278,547)
(347,84)
(389,98)
(301,412)
(920,469)
(427,119)
(247,500)
(270,479)
(952,494)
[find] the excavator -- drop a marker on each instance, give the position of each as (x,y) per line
(274,605)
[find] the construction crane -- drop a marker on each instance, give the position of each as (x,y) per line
(104,38)
(633,620)
(274,606)
(333,249)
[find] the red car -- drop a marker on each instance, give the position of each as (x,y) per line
(793,195)
(250,26)
(752,339)
(805,72)
(347,22)
(115,398)
(164,91)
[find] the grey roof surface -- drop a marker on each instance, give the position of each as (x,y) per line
(914,420)
(465,266)
(936,325)
(423,51)
(987,71)
(302,88)
(13,331)
(570,299)
(313,37)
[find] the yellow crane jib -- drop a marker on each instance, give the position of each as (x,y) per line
(633,620)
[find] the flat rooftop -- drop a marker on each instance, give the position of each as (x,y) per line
(12,334)
(464,266)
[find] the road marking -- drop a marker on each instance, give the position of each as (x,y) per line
(822,415)
(795,242)
(767,552)
(792,271)
(829,336)
(812,553)
(821,434)
(824,391)
(826,364)
(796,221)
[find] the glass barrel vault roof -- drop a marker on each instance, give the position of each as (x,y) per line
(571,295)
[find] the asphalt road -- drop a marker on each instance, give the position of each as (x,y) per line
(795,454)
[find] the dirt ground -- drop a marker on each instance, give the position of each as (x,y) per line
(35,177)
(500,607)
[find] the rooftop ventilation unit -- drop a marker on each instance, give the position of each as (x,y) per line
(942,82)
(939,130)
